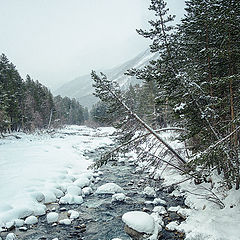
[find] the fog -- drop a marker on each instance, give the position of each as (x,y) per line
(55,41)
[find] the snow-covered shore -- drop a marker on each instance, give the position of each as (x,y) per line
(206,217)
(37,168)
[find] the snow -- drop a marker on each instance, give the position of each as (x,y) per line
(109,188)
(118,197)
(11,236)
(65,221)
(31,220)
(204,219)
(52,217)
(139,221)
(172,226)
(40,168)
(73,214)
(149,191)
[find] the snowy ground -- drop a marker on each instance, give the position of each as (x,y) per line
(38,164)
(204,219)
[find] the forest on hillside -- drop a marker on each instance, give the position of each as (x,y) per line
(28,105)
(193,86)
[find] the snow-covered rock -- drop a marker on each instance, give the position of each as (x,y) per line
(73,214)
(172,226)
(87,191)
(65,221)
(174,209)
(70,199)
(49,196)
(139,221)
(109,188)
(158,201)
(160,209)
(74,190)
(184,212)
(149,191)
(118,197)
(38,196)
(39,210)
(19,222)
(31,220)
(52,217)
(82,182)
(9,225)
(11,236)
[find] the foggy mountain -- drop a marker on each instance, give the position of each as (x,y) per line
(81,87)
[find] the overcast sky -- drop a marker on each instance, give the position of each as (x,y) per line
(55,41)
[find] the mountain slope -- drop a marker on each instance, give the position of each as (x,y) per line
(81,87)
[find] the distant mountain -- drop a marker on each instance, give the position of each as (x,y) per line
(81,87)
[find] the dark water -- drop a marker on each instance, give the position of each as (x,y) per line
(101,217)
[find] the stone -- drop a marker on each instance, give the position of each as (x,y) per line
(135,235)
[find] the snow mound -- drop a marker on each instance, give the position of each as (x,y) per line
(139,221)
(109,188)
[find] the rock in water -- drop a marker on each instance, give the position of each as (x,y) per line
(135,235)
(109,188)
(149,191)
(139,221)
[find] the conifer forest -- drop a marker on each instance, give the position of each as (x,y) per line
(194,85)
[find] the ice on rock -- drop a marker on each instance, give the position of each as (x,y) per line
(82,182)
(139,221)
(73,214)
(31,220)
(74,190)
(11,236)
(149,191)
(65,221)
(118,197)
(109,188)
(52,217)
(87,191)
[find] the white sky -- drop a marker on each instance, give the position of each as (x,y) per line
(55,41)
